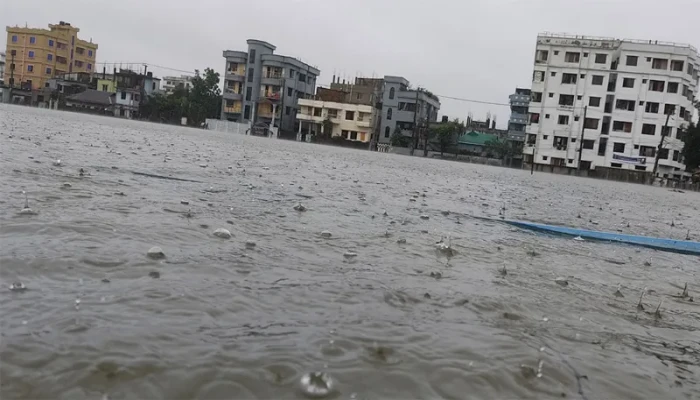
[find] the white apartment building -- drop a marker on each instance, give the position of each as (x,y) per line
(351,121)
(625,88)
(169,83)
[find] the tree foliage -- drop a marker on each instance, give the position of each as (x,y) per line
(445,135)
(503,149)
(691,148)
(398,139)
(198,104)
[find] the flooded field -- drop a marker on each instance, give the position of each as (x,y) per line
(368,267)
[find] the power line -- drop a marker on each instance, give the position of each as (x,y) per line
(143,63)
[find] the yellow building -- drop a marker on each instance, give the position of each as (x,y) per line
(41,54)
(106,85)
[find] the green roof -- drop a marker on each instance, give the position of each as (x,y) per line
(476,138)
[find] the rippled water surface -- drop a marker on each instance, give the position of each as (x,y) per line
(219,318)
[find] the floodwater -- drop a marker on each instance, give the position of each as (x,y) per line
(377,306)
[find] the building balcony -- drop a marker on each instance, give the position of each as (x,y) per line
(529,149)
(518,118)
(271,81)
(310,117)
(235,109)
(232,95)
(270,95)
(365,123)
(267,113)
(519,98)
(234,76)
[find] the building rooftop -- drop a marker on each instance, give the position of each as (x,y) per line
(581,38)
(93,97)
(476,138)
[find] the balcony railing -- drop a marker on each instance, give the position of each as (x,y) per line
(271,95)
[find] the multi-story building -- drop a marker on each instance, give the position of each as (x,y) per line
(341,113)
(261,86)
(170,83)
(607,101)
(37,55)
(519,103)
(400,108)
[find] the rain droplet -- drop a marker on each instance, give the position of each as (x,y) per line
(316,384)
(545,319)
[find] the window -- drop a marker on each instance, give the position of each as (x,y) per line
(246,112)
(353,135)
(545,137)
(104,87)
(49,57)
(594,101)
(676,155)
(350,115)
(588,144)
(48,71)
(563,120)
(602,145)
(656,86)
(659,63)
(30,68)
(572,57)
(14,38)
(676,65)
(358,96)
(618,147)
(287,110)
(80,50)
(628,82)
(387,131)
(123,95)
(591,123)
(251,57)
(31,54)
(32,40)
(545,158)
(541,56)
(536,97)
(648,129)
(647,151)
(551,95)
(601,58)
(672,87)
(669,109)
(568,79)
(576,118)
(546,116)
(585,55)
(534,118)
(667,131)
(553,73)
(566,100)
(597,80)
(538,76)
(621,126)
(302,77)
(652,108)
(627,105)
(332,113)
(616,165)
(248,93)
(579,97)
(556,52)
(391,93)
(251,71)
(290,92)
(89,66)
(583,76)
(89,53)
(317,111)
(389,113)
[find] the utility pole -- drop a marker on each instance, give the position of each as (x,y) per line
(12,68)
(414,138)
(426,134)
(661,145)
(580,147)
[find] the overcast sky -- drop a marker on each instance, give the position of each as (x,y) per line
(475,49)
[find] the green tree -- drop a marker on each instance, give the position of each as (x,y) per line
(398,139)
(205,97)
(504,149)
(445,134)
(691,147)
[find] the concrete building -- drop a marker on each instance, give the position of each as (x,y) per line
(519,103)
(261,86)
(37,55)
(2,76)
(610,98)
(335,110)
(400,107)
(169,83)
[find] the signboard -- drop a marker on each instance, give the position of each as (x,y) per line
(629,159)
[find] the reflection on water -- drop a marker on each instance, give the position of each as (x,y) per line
(363,274)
